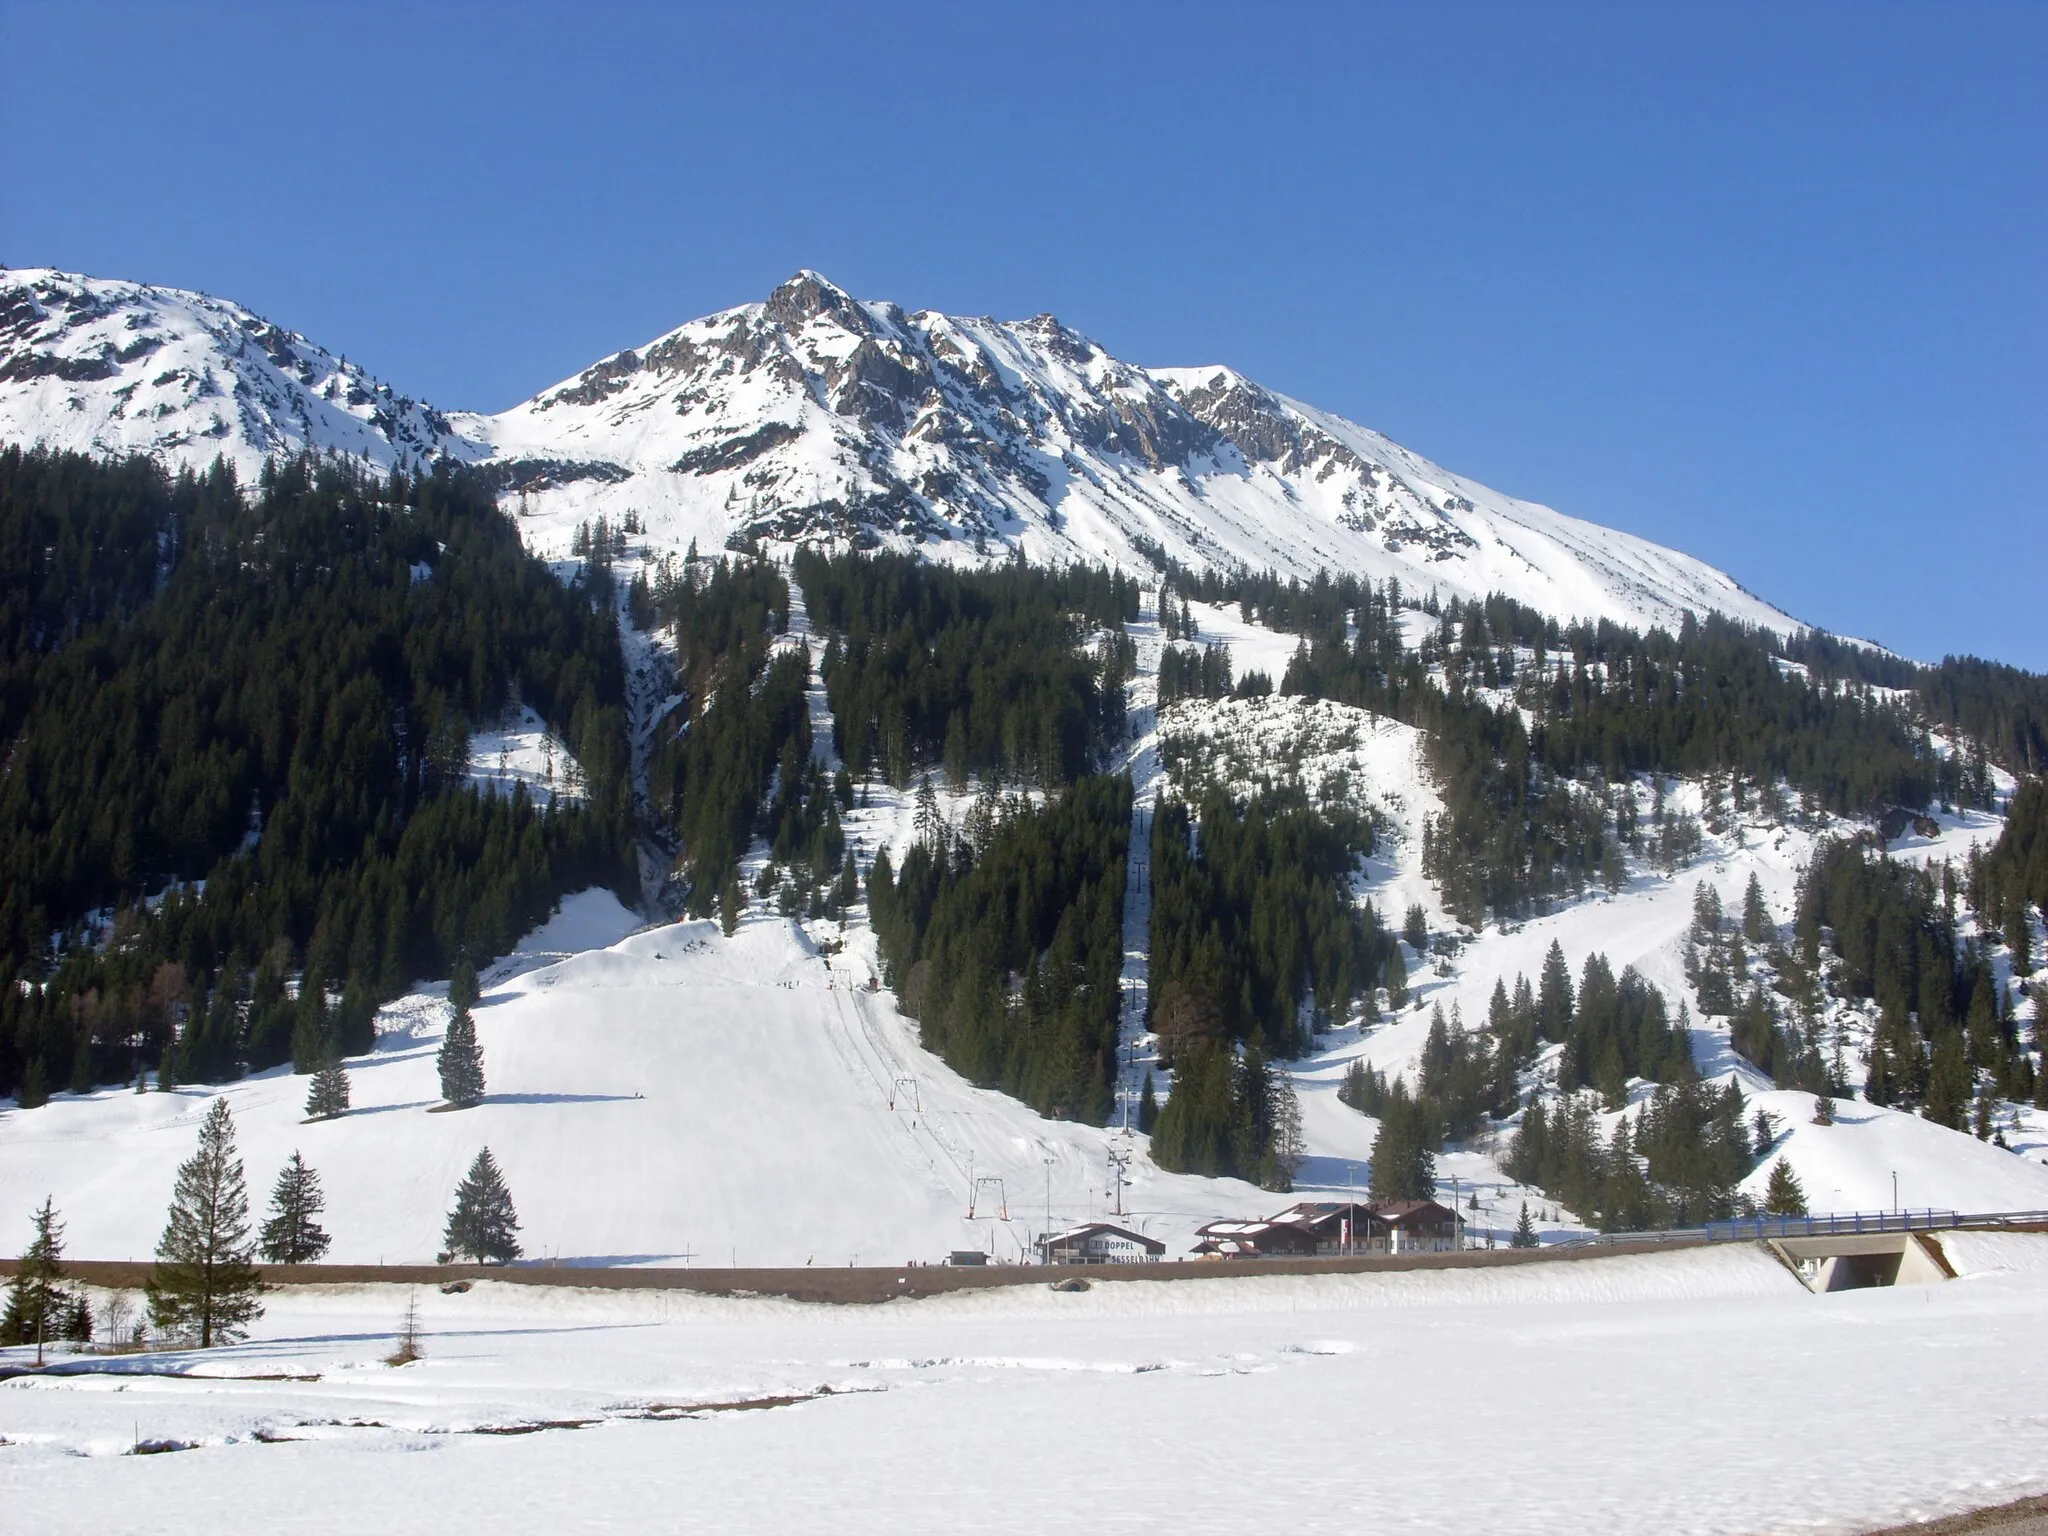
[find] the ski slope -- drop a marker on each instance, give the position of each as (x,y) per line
(663,1096)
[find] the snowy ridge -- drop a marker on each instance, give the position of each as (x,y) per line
(813,416)
(93,366)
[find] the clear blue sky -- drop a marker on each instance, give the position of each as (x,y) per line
(1765,283)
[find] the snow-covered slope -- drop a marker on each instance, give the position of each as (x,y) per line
(665,1096)
(1867,1158)
(109,367)
(816,416)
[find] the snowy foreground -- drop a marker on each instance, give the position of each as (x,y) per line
(1700,1391)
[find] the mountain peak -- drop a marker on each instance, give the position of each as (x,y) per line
(808,295)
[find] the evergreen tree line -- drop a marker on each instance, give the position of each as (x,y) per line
(1613,1031)
(1231,1114)
(735,761)
(1675,1163)
(1005,942)
(2009,885)
(1255,935)
(1204,672)
(286,719)
(1770,996)
(1605,703)
(2000,710)
(979,672)
(82,544)
(1255,943)
(1945,1039)
(204,1288)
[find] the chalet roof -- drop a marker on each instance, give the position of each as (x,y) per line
(1244,1229)
(1405,1210)
(1316,1213)
(1088,1229)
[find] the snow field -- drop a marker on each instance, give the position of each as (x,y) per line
(520,749)
(1646,1392)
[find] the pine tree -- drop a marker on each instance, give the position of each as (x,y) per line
(1415,928)
(1396,980)
(312,1026)
(732,901)
(1784,1197)
(483,1224)
(1404,1151)
(461,1062)
(1823,1110)
(463,990)
(408,1349)
(929,822)
(1985,1110)
(293,1235)
(38,1307)
(1765,1132)
(1148,1107)
(1948,1082)
(203,1282)
(1554,994)
(1285,1146)
(1756,918)
(327,1095)
(1525,1230)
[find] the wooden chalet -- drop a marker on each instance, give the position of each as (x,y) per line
(1254,1240)
(1420,1226)
(1335,1228)
(1098,1242)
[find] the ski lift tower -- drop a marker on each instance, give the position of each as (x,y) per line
(1119,1167)
(1002,1199)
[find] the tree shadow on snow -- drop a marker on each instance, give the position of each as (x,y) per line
(357,1112)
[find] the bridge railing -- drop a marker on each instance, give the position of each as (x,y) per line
(1827,1224)
(1832,1224)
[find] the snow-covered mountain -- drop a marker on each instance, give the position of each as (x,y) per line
(95,366)
(816,416)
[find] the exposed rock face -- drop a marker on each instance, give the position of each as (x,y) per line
(816,416)
(819,416)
